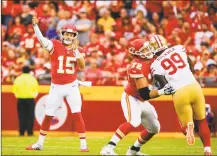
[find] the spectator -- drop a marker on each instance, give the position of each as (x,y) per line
(26,17)
(123,14)
(156,20)
(154,6)
(25,88)
(45,77)
(140,7)
(106,20)
(62,20)
(94,44)
(169,8)
(211,74)
(17,28)
(29,41)
(115,8)
(202,36)
(6,12)
(191,23)
(93,73)
(3,30)
(214,56)
(139,18)
(83,24)
(129,5)
(186,35)
(126,29)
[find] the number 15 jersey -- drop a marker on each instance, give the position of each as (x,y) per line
(63,63)
(173,64)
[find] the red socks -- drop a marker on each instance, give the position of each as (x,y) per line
(45,126)
(204,132)
(79,124)
(145,136)
(123,130)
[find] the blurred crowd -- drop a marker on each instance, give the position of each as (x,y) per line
(105,28)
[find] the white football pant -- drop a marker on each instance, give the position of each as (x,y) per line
(137,112)
(56,96)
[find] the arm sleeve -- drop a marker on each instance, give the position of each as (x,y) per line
(46,44)
(161,79)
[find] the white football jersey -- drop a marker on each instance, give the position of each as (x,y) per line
(173,64)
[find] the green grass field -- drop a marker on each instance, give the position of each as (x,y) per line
(70,146)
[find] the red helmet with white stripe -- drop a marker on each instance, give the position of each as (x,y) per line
(70,28)
(141,48)
(158,43)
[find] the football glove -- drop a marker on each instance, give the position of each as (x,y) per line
(166,90)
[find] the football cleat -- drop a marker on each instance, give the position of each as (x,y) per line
(190,134)
(84,148)
(107,151)
(132,152)
(35,146)
(207,151)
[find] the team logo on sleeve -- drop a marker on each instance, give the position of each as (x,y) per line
(58,120)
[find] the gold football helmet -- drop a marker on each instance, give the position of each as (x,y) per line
(158,43)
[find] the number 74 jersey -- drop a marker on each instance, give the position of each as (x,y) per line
(173,64)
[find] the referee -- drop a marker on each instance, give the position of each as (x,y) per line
(25,88)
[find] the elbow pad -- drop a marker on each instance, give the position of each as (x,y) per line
(144,93)
(49,46)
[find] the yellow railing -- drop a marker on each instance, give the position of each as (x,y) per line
(106,93)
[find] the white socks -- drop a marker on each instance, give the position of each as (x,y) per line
(207,149)
(41,139)
(137,144)
(115,139)
(83,142)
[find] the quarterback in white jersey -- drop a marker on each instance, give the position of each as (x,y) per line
(173,65)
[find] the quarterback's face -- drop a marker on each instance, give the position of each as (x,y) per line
(68,36)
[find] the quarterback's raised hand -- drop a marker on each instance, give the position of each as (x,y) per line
(166,90)
(35,19)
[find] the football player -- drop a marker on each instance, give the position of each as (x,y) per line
(136,108)
(65,55)
(173,64)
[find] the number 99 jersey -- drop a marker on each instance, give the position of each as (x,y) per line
(173,64)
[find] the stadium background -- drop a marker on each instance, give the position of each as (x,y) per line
(191,23)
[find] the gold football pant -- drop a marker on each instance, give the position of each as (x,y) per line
(189,103)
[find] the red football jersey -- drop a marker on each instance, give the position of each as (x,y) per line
(29,41)
(137,69)
(63,63)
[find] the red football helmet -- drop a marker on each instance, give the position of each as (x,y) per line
(70,28)
(141,48)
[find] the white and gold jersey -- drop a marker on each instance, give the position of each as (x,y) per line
(173,64)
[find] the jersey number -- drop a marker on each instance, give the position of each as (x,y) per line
(137,65)
(175,62)
(69,65)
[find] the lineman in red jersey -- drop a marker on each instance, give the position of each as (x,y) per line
(65,56)
(137,110)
